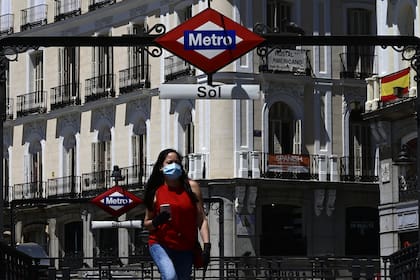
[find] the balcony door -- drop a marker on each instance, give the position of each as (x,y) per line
(359,58)
(284,131)
(68,72)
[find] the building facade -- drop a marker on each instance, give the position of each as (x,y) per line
(293,172)
(392,119)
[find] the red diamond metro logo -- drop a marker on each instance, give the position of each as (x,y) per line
(116,201)
(209,40)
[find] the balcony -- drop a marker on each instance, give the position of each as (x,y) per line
(96,4)
(6,24)
(31,103)
(135,176)
(99,87)
(33,16)
(357,66)
(68,186)
(28,190)
(65,95)
(95,182)
(134,78)
(9,108)
(291,61)
(66,9)
(175,68)
(407,187)
(313,167)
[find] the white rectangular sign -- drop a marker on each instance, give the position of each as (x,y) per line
(287,60)
(201,91)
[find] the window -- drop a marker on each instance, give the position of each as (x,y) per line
(362,231)
(361,163)
(359,58)
(138,60)
(103,69)
(73,239)
(278,12)
(68,71)
(285,236)
(35,162)
(101,160)
(284,130)
(37,73)
(139,156)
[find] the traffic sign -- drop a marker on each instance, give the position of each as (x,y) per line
(193,91)
(209,40)
(116,201)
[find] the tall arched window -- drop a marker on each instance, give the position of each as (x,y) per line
(284,131)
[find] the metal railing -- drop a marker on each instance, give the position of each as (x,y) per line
(99,87)
(29,190)
(319,167)
(33,16)
(404,264)
(65,95)
(176,67)
(96,4)
(33,102)
(66,8)
(64,186)
(6,24)
(358,65)
(232,268)
(134,78)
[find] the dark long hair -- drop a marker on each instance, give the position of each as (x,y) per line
(157,179)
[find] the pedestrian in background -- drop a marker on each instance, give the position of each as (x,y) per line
(174,215)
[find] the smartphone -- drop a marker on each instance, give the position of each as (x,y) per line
(166,208)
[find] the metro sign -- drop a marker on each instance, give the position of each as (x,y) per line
(209,41)
(116,201)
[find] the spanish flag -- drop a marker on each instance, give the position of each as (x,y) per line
(395,84)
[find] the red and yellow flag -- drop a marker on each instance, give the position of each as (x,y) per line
(400,79)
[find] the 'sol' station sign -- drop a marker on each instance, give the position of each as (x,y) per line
(209,41)
(116,201)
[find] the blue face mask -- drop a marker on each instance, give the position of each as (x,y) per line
(172,171)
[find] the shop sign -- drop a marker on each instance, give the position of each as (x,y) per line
(288,163)
(287,60)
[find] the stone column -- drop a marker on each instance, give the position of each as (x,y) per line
(87,237)
(123,241)
(54,242)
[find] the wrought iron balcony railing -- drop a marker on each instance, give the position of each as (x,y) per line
(65,95)
(30,103)
(319,167)
(67,8)
(33,16)
(6,24)
(96,4)
(176,67)
(407,187)
(404,264)
(9,108)
(29,190)
(68,186)
(134,78)
(99,87)
(95,182)
(357,65)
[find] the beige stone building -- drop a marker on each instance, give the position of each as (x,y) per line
(292,172)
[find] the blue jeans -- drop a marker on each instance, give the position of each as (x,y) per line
(172,264)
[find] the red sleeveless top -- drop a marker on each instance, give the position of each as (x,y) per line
(180,232)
